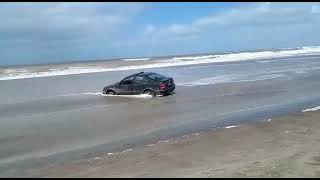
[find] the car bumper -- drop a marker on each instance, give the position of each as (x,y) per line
(167,91)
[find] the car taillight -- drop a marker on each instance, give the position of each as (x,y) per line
(162,86)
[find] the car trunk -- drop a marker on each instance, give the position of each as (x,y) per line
(168,83)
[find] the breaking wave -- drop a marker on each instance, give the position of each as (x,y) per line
(136,59)
(21,73)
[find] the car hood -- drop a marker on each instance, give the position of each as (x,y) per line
(112,85)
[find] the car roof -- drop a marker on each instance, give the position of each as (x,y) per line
(141,74)
(144,73)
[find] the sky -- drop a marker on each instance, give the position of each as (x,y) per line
(49,32)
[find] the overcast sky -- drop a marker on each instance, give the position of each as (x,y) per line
(60,32)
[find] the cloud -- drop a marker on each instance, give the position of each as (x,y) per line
(36,32)
(181,30)
(315,9)
(49,21)
(35,27)
(248,26)
(254,15)
(149,29)
(258,14)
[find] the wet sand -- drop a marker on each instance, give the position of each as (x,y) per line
(52,121)
(283,147)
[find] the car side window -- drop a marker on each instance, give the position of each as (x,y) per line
(127,81)
(141,80)
(156,77)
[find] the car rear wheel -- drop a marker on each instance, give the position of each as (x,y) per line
(149,92)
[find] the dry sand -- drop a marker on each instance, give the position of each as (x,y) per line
(283,147)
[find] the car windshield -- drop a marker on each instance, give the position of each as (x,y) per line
(156,77)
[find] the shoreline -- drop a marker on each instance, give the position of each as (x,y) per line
(281,147)
(87,67)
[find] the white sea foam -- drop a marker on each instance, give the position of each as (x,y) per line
(207,81)
(100,94)
(95,93)
(301,71)
(190,58)
(312,109)
(229,78)
(165,141)
(228,127)
(127,150)
(128,96)
(149,145)
(136,59)
(176,61)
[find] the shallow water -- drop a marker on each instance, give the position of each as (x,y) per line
(60,114)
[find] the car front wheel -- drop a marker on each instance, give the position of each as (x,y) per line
(110,93)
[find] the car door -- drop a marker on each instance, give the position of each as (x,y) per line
(139,84)
(125,86)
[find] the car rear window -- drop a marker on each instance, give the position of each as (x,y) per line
(156,77)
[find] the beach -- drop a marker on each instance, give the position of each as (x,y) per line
(55,121)
(285,147)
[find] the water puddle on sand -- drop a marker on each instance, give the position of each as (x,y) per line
(128,96)
(105,95)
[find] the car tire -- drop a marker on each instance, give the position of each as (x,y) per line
(149,92)
(110,92)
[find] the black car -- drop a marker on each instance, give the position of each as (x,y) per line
(142,83)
